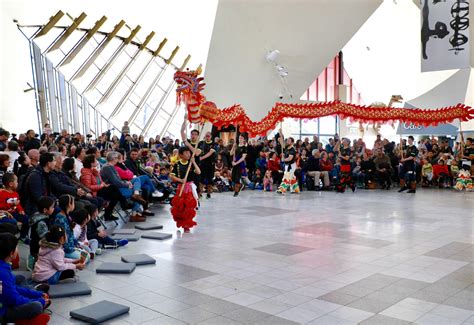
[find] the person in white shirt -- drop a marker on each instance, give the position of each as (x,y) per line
(79,154)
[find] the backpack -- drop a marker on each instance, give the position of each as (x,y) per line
(21,189)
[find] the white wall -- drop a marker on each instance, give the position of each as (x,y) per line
(308,35)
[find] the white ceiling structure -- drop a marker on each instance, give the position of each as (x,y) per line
(307,33)
(456,89)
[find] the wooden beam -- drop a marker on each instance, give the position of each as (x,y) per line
(160,47)
(50,24)
(168,61)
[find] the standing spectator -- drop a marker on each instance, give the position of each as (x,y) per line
(31,141)
(47,129)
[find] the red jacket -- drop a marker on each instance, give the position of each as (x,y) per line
(274,165)
(10,207)
(325,165)
(440,169)
(91,179)
(124,174)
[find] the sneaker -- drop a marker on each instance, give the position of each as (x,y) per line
(208,195)
(236,194)
(98,251)
(411,191)
(148,213)
(157,194)
(41,319)
(43,287)
(122,242)
(111,246)
(404,188)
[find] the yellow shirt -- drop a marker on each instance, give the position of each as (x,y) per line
(174,159)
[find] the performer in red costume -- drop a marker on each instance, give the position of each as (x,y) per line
(185,203)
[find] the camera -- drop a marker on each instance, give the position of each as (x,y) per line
(89,136)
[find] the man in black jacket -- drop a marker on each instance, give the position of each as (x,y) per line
(314,170)
(37,184)
(31,141)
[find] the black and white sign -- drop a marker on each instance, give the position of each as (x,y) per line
(444,35)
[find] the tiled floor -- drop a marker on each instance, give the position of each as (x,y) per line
(373,257)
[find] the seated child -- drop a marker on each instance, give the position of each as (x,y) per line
(10,202)
(219,166)
(39,227)
(441,173)
(93,231)
(257,179)
(218,182)
(81,219)
(71,247)
(426,172)
(268,181)
(52,267)
(18,305)
(358,174)
(227,178)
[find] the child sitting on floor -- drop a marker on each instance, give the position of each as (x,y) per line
(426,172)
(93,231)
(39,227)
(219,182)
(52,267)
(268,181)
(17,304)
(257,180)
(81,219)
(10,202)
(62,219)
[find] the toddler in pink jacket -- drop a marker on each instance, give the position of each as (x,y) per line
(52,266)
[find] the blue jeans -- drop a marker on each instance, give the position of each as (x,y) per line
(55,278)
(127,193)
(147,184)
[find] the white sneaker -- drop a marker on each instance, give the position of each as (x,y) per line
(157,194)
(98,251)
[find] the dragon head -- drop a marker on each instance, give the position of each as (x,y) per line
(189,81)
(396,99)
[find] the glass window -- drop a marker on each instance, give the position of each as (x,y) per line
(327,125)
(309,126)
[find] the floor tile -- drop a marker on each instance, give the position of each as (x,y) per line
(385,320)
(300,315)
(192,315)
(283,249)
